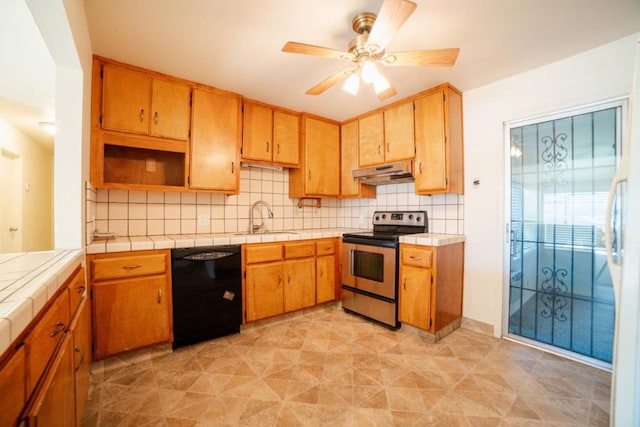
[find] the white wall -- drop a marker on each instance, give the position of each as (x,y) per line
(596,75)
(64,28)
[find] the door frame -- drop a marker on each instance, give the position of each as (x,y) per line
(622,103)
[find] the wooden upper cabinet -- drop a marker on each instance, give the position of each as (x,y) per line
(286,138)
(270,135)
(349,186)
(371,140)
(439,164)
(257,132)
(319,174)
(136,102)
(215,141)
(398,133)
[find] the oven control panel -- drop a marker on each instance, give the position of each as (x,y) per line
(406,218)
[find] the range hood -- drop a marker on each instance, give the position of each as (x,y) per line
(390,173)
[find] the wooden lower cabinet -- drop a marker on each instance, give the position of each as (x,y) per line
(264,290)
(299,284)
(53,404)
(131,300)
(431,283)
(12,388)
(131,314)
(81,333)
(287,276)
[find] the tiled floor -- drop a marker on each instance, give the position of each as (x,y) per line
(331,368)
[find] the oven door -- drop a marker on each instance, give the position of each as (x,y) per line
(370,269)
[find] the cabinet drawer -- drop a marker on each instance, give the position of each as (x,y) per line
(263,253)
(77,289)
(128,266)
(299,250)
(418,257)
(44,338)
(325,247)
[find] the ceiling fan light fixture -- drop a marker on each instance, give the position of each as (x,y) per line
(352,84)
(369,71)
(380,84)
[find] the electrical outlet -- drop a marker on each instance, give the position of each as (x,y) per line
(203,219)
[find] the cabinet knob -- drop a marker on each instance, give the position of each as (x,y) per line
(267,146)
(387,147)
(404,284)
(278,149)
(159,295)
(288,277)
(420,167)
(233,167)
(321,272)
(155,117)
(378,148)
(142,115)
(279,278)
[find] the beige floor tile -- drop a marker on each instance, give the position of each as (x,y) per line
(330,368)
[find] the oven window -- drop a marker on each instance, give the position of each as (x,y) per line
(367,265)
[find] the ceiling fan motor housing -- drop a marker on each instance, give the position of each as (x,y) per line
(362,24)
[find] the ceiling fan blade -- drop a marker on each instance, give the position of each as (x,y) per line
(393,14)
(326,84)
(308,49)
(424,58)
(387,93)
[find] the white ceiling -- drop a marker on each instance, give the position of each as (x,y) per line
(235,45)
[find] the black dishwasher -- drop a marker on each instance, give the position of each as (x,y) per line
(207,293)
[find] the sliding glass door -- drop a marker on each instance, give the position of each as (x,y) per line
(560,291)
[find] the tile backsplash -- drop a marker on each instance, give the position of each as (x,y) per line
(149,213)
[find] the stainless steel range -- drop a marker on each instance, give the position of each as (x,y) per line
(370,265)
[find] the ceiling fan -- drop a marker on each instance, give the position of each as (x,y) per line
(367,51)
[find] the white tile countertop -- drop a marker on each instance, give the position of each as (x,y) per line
(432,239)
(124,244)
(27,281)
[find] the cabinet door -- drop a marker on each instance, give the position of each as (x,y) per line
(431,166)
(286,138)
(371,140)
(322,151)
(257,131)
(398,133)
(215,139)
(41,343)
(170,110)
(264,290)
(81,333)
(126,99)
(299,284)
(415,296)
(53,404)
(12,388)
(349,186)
(325,278)
(130,314)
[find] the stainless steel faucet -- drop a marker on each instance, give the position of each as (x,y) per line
(252,227)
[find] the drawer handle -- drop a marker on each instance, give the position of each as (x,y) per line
(60,327)
(159,295)
(77,350)
(378,148)
(321,272)
(288,277)
(417,258)
(279,278)
(80,289)
(404,284)
(267,146)
(131,267)
(155,118)
(278,149)
(233,167)
(388,147)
